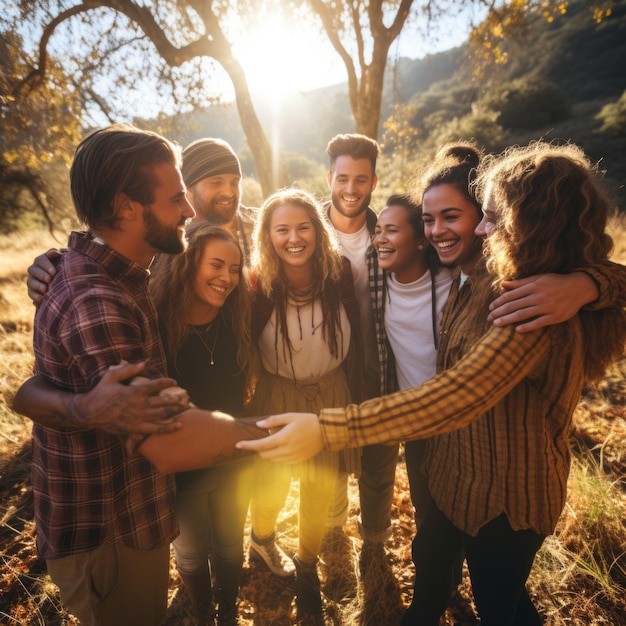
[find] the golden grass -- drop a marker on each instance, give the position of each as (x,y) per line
(16,319)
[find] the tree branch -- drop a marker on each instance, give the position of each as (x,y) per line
(327,21)
(37,74)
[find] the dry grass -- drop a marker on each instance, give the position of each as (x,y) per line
(579,577)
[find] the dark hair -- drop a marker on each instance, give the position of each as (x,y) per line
(414,215)
(113,160)
(354,145)
(455,164)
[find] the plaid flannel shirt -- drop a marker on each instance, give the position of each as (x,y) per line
(88,489)
(499,410)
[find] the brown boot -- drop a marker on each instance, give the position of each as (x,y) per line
(198,586)
(308,594)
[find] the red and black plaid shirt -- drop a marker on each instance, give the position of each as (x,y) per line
(88,490)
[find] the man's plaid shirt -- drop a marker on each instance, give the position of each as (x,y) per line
(88,490)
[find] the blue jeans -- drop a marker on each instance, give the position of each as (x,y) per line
(211,508)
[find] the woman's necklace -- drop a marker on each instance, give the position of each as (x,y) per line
(300,296)
(205,332)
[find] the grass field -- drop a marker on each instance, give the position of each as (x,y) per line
(579,576)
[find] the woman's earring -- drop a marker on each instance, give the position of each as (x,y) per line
(420,247)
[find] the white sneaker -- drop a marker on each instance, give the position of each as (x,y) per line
(273,556)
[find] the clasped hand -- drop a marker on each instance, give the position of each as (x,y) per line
(299,438)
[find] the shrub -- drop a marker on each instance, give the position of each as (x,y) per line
(525,104)
(613,117)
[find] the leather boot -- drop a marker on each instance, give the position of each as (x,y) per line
(227,579)
(308,594)
(198,586)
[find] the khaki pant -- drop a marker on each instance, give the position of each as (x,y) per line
(114,585)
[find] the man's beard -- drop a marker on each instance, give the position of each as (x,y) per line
(336,202)
(212,212)
(169,239)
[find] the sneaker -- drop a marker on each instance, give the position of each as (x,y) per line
(273,556)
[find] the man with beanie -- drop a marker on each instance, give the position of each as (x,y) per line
(212,174)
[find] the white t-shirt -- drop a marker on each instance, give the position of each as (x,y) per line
(409,326)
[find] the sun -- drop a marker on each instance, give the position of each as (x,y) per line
(279,58)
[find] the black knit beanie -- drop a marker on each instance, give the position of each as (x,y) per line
(208,157)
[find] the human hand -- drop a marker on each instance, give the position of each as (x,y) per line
(299,438)
(542,300)
(145,407)
(40,273)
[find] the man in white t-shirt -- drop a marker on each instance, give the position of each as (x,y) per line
(352,179)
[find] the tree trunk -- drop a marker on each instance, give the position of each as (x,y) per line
(370,95)
(271,168)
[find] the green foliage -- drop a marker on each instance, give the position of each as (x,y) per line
(525,103)
(442,103)
(582,55)
(563,80)
(613,117)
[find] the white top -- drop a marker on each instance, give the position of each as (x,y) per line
(462,278)
(409,326)
(311,354)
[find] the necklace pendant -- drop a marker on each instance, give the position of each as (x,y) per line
(212,361)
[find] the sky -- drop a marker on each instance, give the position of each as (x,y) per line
(309,60)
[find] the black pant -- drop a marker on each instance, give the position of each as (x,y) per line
(499,561)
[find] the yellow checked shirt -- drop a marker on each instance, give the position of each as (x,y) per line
(500,413)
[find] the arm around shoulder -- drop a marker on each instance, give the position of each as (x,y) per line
(610,280)
(547,299)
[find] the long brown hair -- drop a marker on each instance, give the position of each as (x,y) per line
(551,217)
(172,288)
(327,265)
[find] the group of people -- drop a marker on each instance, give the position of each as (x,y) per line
(342,314)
